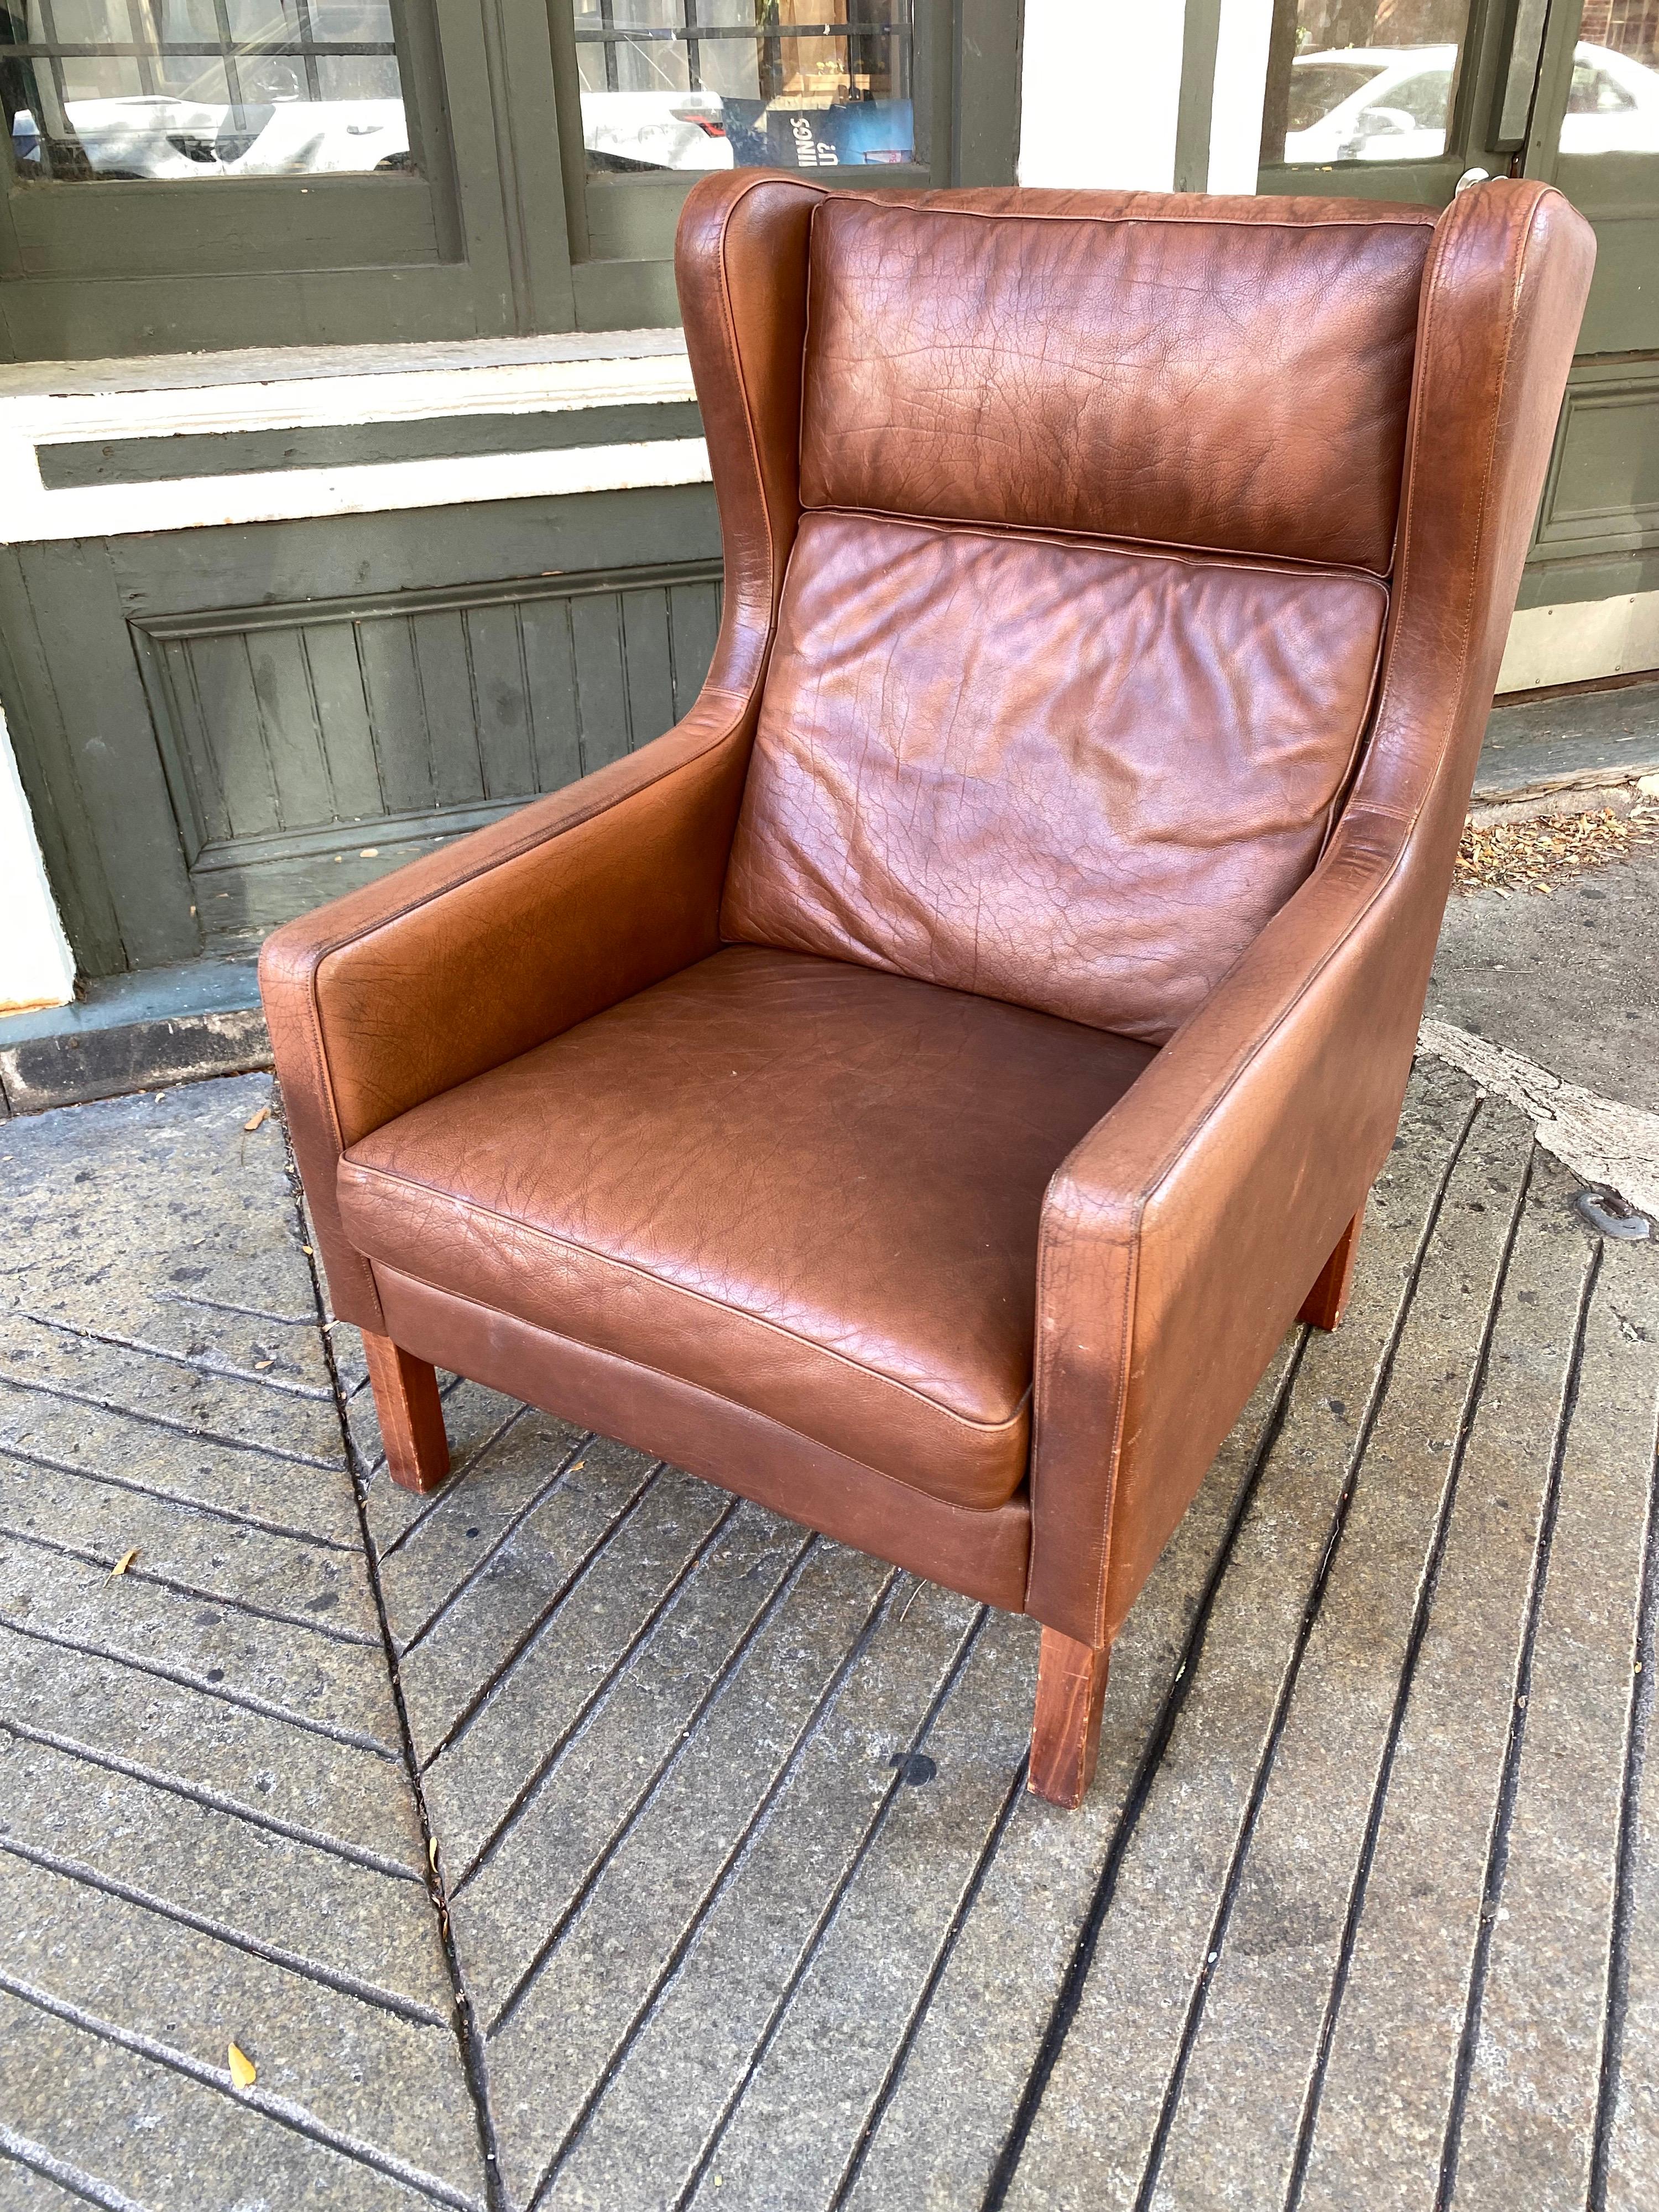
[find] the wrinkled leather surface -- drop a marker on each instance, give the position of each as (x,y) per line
(1220,374)
(804,1186)
(1079,778)
(1139,366)
(983,1554)
(1180,1237)
(458,962)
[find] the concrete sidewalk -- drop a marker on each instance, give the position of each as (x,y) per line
(581,1836)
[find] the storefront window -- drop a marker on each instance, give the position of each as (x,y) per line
(181,89)
(1613,106)
(1361,80)
(718,84)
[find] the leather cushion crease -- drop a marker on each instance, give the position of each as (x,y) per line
(1170,374)
(920,1089)
(1024,804)
(801,1185)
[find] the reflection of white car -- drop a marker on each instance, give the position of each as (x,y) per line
(1390,104)
(654,131)
(156,135)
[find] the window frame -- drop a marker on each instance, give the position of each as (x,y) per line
(494,238)
(1470,125)
(622,228)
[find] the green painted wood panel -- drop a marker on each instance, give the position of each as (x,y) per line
(353,445)
(294,737)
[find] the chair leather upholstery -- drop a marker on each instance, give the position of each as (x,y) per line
(1231,374)
(1022,810)
(641,1183)
(1115,587)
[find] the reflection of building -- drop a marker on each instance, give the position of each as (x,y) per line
(353,500)
(1629,27)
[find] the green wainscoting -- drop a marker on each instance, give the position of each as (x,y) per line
(220,728)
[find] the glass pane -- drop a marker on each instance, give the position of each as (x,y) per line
(1613,106)
(134,89)
(717,84)
(1361,80)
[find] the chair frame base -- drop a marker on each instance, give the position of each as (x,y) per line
(1065,1726)
(1070,1677)
(1326,1303)
(411,1414)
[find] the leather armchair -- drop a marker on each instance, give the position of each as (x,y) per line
(919,1091)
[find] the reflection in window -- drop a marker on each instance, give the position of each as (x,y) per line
(718,84)
(1361,80)
(1613,106)
(194,89)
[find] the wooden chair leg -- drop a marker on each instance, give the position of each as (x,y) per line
(1066,1727)
(411,1414)
(1326,1303)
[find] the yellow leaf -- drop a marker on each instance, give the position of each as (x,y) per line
(432,1854)
(254,1121)
(124,1563)
(242,2070)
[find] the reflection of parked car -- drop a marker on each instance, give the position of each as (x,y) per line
(654,131)
(155,136)
(1390,104)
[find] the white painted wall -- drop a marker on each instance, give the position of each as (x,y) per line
(1241,83)
(1575,643)
(1098,90)
(36,966)
(1101,85)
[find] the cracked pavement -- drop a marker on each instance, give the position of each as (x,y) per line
(561,1839)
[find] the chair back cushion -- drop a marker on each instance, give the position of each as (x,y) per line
(1079,634)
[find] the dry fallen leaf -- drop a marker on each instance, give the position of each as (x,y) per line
(254,1121)
(124,1563)
(242,2070)
(432,1854)
(1543,854)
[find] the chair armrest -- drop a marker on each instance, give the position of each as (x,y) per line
(464,959)
(1182,1234)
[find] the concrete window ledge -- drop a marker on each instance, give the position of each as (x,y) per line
(137,1032)
(98,413)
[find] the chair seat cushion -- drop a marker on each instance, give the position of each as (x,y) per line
(811,1187)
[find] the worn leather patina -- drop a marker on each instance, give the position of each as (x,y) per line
(920,1091)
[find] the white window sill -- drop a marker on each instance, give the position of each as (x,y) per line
(189,395)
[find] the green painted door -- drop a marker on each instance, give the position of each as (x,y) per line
(1400,98)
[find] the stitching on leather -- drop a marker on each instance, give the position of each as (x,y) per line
(718,1397)
(532,842)
(318,1044)
(1363,730)
(721,1305)
(1144,549)
(729,324)
(1258,1043)
(1410,820)
(1405,220)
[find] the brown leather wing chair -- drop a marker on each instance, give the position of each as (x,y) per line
(919,1091)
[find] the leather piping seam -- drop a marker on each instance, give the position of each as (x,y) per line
(717,1397)
(1363,731)
(1406,219)
(532,842)
(323,1077)
(1258,1043)
(1305,983)
(728,323)
(1291,565)
(318,955)
(1130,1247)
(988,1429)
